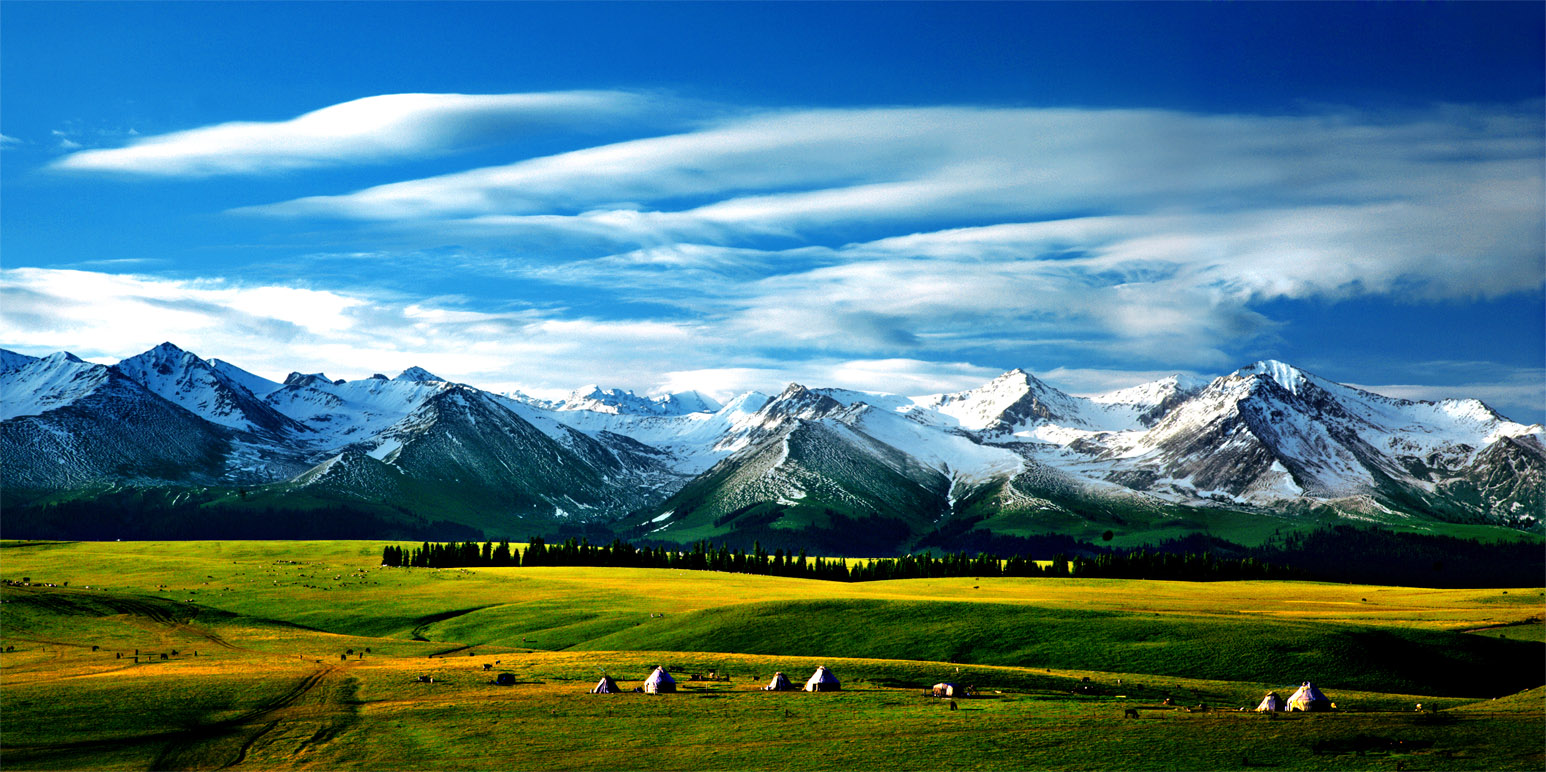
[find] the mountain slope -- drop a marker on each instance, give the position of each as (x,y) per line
(71,424)
(803,468)
(461,450)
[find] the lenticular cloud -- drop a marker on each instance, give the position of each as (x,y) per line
(365,130)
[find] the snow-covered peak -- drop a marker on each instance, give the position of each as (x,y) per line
(418,375)
(298,380)
(256,384)
(41,385)
(796,401)
(184,379)
(163,359)
(1154,392)
(747,403)
(1284,374)
(10,360)
(626,402)
(690,402)
(63,357)
(1468,410)
(350,411)
(1005,404)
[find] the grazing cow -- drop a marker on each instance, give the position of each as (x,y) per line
(1130,713)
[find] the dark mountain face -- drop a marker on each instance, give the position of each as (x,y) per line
(117,432)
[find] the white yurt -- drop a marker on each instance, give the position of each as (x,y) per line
(780,683)
(659,682)
(822,681)
(1308,699)
(1270,704)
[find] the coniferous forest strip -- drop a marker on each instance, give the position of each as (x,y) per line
(703,556)
(1339,554)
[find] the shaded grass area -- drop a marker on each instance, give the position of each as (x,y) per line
(1201,647)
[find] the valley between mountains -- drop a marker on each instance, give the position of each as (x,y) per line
(171,441)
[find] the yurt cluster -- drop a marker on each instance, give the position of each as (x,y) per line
(1307,699)
(661,682)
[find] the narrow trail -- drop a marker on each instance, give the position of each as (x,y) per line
(219,745)
(309,714)
(1507,625)
(424,622)
(228,743)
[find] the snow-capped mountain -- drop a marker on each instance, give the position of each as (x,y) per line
(70,424)
(257,384)
(1271,432)
(346,412)
(622,402)
(1015,453)
(206,391)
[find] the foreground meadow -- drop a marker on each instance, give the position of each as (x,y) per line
(310,655)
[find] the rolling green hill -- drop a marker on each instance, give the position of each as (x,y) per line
(1216,647)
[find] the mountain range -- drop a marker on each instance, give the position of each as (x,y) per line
(863,472)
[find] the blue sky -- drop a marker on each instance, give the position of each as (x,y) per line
(902,197)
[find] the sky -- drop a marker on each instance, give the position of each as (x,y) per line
(897,197)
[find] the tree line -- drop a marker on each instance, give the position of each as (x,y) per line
(704,556)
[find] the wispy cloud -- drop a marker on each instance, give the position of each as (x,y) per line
(65,142)
(1440,204)
(808,170)
(367,130)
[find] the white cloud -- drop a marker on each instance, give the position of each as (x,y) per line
(885,376)
(65,143)
(273,329)
(365,130)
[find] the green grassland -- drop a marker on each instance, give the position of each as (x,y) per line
(256,673)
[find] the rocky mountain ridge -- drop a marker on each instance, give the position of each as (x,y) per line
(1010,454)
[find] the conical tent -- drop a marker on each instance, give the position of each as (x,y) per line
(780,683)
(1308,699)
(606,686)
(659,682)
(822,681)
(1272,702)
